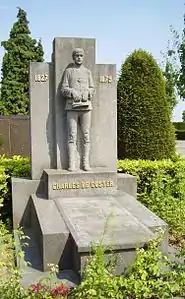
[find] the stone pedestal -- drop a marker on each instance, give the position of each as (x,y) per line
(73,211)
(62,183)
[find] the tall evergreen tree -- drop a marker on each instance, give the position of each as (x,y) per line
(20,50)
(145,130)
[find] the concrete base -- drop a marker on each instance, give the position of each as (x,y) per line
(51,233)
(94,220)
(64,227)
(22,188)
(145,216)
(91,220)
(33,273)
(127,183)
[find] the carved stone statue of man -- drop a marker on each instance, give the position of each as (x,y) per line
(78,89)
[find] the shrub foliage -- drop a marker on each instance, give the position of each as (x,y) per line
(144,127)
(161,188)
(11,167)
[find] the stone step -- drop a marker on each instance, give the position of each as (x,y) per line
(51,232)
(32,274)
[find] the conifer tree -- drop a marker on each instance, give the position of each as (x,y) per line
(145,130)
(20,50)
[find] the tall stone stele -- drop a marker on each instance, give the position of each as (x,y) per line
(74,185)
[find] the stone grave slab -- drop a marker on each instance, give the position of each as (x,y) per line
(88,218)
(144,215)
(92,219)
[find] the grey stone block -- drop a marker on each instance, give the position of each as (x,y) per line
(21,190)
(32,273)
(41,118)
(91,218)
(144,215)
(62,183)
(127,183)
(94,219)
(104,119)
(104,103)
(122,258)
(62,57)
(51,233)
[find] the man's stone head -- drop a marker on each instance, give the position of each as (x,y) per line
(78,56)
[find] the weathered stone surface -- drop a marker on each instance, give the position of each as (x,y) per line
(41,118)
(77,89)
(123,258)
(144,215)
(104,104)
(61,183)
(51,233)
(127,183)
(21,190)
(88,218)
(32,273)
(93,219)
(139,211)
(104,119)
(62,51)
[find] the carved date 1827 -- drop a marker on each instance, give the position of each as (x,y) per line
(41,77)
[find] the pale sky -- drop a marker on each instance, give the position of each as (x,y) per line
(119,26)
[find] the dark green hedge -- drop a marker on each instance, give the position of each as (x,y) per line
(11,167)
(179,125)
(180,134)
(179,130)
(161,187)
(144,127)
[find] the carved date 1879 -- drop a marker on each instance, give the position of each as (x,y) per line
(105,79)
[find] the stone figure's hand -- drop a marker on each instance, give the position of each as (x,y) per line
(90,94)
(76,96)
(85,96)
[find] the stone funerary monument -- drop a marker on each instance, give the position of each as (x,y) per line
(74,194)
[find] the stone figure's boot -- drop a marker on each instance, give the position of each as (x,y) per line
(86,165)
(72,156)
